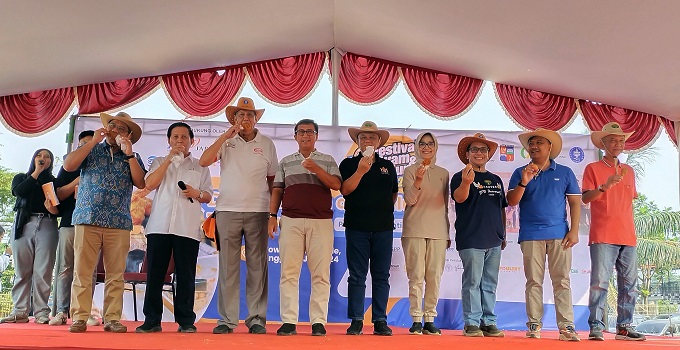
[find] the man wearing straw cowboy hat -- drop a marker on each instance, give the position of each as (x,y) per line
(370,189)
(609,187)
(102,216)
(248,164)
(542,189)
(480,233)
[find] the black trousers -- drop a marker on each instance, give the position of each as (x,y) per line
(184,251)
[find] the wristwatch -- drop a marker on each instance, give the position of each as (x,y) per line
(599,188)
(273,215)
(129,157)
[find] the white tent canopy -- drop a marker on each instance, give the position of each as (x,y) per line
(619,52)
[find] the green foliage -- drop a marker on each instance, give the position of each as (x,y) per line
(6,197)
(658,248)
(638,160)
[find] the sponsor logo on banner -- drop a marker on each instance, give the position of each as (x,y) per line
(524,153)
(149,160)
(507,153)
(576,154)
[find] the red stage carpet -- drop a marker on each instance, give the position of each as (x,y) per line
(34,336)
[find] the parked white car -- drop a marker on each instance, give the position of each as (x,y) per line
(659,327)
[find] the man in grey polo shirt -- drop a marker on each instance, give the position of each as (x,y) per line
(303,183)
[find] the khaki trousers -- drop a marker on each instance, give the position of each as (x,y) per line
(559,267)
(424,259)
(114,245)
(315,238)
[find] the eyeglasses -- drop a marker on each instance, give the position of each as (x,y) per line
(426,144)
(474,150)
(121,129)
(301,132)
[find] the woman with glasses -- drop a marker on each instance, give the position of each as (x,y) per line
(425,235)
(34,241)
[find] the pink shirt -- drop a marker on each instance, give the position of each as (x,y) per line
(611,213)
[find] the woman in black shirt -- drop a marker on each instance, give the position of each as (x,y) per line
(34,241)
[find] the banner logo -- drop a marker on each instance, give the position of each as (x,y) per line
(576,154)
(507,153)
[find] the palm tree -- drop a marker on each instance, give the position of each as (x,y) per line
(658,249)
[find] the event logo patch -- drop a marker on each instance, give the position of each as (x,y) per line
(507,153)
(576,154)
(258,150)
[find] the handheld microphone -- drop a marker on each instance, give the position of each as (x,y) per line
(41,162)
(183,186)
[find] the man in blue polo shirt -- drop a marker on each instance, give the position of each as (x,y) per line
(542,189)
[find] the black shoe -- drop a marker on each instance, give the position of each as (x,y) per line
(431,329)
(626,332)
(148,328)
(222,329)
(286,329)
(416,328)
(257,329)
(491,331)
(596,334)
(318,329)
(187,329)
(356,327)
(381,328)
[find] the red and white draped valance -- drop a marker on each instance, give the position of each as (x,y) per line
(645,125)
(532,109)
(290,80)
(35,113)
(203,94)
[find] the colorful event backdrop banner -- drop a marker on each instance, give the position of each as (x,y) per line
(576,153)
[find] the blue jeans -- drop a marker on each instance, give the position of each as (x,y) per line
(480,278)
(364,250)
(604,258)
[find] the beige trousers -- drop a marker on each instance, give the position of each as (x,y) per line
(114,245)
(559,267)
(425,259)
(315,238)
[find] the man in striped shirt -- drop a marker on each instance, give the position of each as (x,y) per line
(303,184)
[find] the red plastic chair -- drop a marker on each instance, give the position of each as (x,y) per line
(135,278)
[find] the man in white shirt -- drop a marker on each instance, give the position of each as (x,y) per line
(248,165)
(174,228)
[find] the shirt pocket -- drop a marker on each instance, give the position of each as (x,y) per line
(193,178)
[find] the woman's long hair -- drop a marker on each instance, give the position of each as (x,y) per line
(31,168)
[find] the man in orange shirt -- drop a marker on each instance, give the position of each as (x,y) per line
(609,187)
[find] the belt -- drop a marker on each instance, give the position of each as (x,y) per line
(46,215)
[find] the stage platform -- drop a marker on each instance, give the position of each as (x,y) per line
(34,336)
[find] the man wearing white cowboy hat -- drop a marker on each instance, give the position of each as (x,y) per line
(542,189)
(102,218)
(248,165)
(370,189)
(480,233)
(609,187)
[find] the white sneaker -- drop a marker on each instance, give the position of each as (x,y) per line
(93,321)
(58,320)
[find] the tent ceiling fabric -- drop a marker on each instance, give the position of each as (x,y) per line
(619,52)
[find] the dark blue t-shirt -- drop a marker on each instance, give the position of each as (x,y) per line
(479,219)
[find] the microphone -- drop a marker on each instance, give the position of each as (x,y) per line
(41,162)
(183,186)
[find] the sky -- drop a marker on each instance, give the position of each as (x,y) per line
(660,182)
